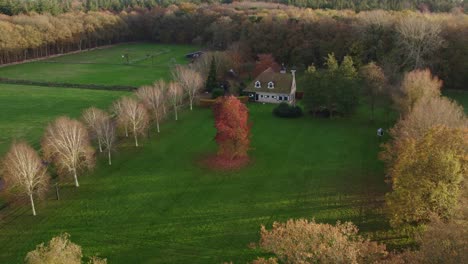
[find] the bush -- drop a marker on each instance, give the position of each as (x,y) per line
(217,92)
(287,111)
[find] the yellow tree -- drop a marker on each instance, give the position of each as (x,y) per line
(426,174)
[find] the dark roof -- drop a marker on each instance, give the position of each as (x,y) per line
(282,82)
(194,54)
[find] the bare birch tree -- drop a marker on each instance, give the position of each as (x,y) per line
(137,117)
(24,172)
(92,118)
(174,94)
(106,132)
(153,99)
(418,37)
(190,81)
(122,119)
(66,144)
(163,87)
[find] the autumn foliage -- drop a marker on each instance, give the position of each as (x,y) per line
(233,131)
(264,62)
(304,241)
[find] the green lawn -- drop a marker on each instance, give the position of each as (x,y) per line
(26,110)
(156,205)
(460,96)
(105,66)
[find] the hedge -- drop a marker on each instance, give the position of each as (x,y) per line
(211,102)
(69,85)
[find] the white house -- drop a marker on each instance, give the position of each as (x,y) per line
(273,87)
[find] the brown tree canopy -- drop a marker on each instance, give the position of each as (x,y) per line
(418,85)
(304,241)
(264,62)
(427,114)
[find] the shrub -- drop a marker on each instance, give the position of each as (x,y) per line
(217,92)
(304,241)
(287,111)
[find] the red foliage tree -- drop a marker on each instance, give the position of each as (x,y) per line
(233,130)
(264,62)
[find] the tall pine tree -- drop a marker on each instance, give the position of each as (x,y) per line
(211,82)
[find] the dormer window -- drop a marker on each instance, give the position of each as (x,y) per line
(258,84)
(271,85)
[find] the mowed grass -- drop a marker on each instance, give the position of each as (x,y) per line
(460,96)
(155,204)
(25,111)
(105,66)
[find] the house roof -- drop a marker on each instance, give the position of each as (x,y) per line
(282,82)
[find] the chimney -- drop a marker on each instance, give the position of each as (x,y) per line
(283,68)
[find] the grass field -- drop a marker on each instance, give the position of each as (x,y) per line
(156,205)
(26,110)
(104,66)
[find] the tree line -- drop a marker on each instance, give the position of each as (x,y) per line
(67,143)
(397,41)
(15,7)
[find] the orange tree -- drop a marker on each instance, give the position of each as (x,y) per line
(233,130)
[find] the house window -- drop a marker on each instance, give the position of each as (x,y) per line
(271,85)
(258,84)
(251,95)
(281,98)
(274,96)
(261,96)
(286,98)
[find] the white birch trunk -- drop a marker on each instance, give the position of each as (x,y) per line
(109,155)
(136,137)
(32,204)
(76,178)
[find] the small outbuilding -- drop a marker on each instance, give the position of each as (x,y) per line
(194,55)
(273,87)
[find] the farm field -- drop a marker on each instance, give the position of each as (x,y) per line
(26,110)
(105,66)
(157,205)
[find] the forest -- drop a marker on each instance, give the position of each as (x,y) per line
(398,41)
(14,7)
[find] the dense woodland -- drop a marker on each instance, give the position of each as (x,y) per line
(14,7)
(398,41)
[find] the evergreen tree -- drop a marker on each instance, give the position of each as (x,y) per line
(211,82)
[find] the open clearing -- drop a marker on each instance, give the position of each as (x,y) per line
(25,111)
(105,66)
(156,205)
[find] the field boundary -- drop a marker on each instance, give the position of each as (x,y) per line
(67,53)
(69,85)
